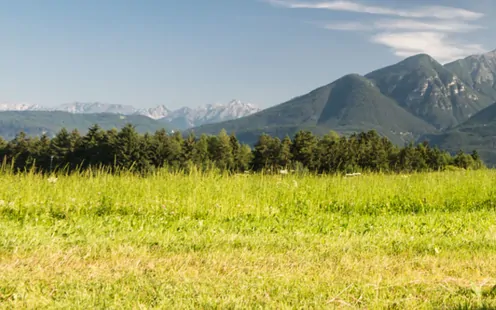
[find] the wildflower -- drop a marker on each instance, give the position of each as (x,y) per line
(283,172)
(52,180)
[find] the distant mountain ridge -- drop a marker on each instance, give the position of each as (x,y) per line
(36,123)
(179,119)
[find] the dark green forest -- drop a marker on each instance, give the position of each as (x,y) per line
(125,149)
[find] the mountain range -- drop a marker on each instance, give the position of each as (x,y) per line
(413,100)
(417,99)
(179,119)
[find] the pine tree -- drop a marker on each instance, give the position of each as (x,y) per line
(40,154)
(90,149)
(304,149)
(262,153)
(18,151)
(128,145)
(284,156)
(189,149)
(61,148)
(221,151)
(327,155)
(201,156)
(244,158)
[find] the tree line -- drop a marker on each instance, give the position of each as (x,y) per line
(126,149)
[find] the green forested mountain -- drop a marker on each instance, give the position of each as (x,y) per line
(35,123)
(350,104)
(477,133)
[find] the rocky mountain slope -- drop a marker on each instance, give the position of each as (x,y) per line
(478,71)
(428,90)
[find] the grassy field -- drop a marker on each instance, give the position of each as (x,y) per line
(424,241)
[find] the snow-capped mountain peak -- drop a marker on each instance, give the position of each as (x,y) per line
(7,106)
(181,118)
(158,112)
(94,107)
(211,113)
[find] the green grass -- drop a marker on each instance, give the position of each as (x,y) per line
(424,241)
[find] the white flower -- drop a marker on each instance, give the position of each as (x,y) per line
(52,180)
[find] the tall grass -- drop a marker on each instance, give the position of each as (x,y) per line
(209,240)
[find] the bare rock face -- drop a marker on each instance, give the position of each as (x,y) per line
(430,91)
(479,72)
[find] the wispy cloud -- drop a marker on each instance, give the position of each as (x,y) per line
(441,12)
(414,25)
(435,44)
(425,29)
(402,25)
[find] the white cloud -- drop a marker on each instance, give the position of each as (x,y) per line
(410,24)
(403,25)
(440,12)
(436,44)
(425,29)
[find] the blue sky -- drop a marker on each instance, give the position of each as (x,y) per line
(194,52)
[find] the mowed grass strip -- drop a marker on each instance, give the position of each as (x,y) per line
(425,241)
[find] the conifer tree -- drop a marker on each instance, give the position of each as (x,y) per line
(304,149)
(201,156)
(61,147)
(284,156)
(261,153)
(221,151)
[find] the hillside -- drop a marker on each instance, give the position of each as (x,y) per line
(350,104)
(428,90)
(35,123)
(478,71)
(478,133)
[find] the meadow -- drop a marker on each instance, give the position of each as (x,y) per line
(213,241)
